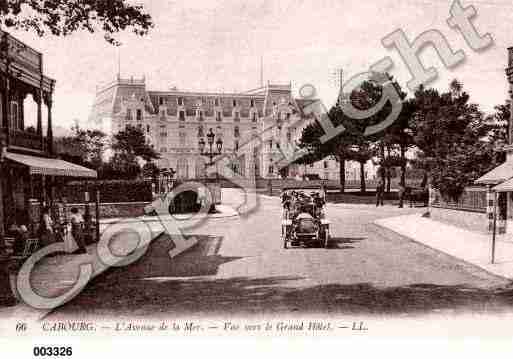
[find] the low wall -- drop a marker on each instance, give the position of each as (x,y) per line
(470,220)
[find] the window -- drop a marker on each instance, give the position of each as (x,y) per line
(236,116)
(288,116)
(277,145)
(182,136)
(254,117)
(161,101)
(128,114)
(236,131)
(139,114)
(289,136)
(218,116)
(180,101)
(271,169)
(147,128)
(236,145)
(325,165)
(252,103)
(234,103)
(163,134)
(270,144)
(163,149)
(181,115)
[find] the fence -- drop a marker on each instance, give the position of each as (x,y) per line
(472,199)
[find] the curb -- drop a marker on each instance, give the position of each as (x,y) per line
(467,263)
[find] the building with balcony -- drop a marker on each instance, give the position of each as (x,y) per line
(29,171)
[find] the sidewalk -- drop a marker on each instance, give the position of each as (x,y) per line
(471,247)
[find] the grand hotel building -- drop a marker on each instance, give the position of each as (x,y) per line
(174,121)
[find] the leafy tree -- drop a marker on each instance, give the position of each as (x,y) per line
(498,131)
(452,137)
(84,146)
(340,146)
(129,147)
(63,17)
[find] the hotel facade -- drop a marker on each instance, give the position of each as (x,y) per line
(258,128)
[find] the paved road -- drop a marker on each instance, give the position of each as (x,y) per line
(239,267)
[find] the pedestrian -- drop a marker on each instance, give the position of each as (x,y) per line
(77,224)
(402,191)
(46,228)
(380,188)
(20,240)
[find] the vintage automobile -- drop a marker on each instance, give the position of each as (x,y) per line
(304,220)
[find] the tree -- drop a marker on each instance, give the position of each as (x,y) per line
(63,17)
(498,131)
(351,144)
(85,147)
(129,146)
(451,135)
(339,147)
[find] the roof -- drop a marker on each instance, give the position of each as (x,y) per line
(50,166)
(504,186)
(497,175)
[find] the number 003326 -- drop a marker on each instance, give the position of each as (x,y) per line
(52,351)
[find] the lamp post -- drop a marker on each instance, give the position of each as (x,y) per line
(212,152)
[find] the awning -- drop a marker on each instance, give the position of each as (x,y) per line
(504,186)
(499,174)
(50,166)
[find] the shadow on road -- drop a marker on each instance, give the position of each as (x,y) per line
(185,286)
(276,295)
(343,242)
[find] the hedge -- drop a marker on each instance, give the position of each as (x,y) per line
(111,191)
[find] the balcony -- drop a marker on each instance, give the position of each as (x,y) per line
(24,139)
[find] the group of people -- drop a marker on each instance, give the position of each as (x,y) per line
(47,232)
(290,199)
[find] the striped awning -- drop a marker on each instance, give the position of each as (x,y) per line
(50,166)
(499,174)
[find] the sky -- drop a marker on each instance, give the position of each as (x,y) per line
(218,46)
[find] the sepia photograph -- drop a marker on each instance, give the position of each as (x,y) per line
(288,168)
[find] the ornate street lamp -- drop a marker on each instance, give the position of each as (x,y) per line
(211,153)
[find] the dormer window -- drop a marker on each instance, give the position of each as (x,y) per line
(180,101)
